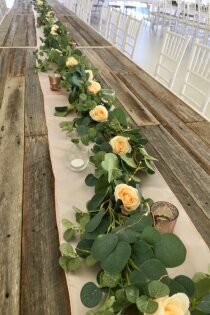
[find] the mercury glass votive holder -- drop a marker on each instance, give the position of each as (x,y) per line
(108,96)
(164,215)
(77,157)
(55,81)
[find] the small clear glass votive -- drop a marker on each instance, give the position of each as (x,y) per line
(77,157)
(55,81)
(108,96)
(73,45)
(164,215)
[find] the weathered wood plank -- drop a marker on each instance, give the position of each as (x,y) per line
(2,37)
(193,210)
(20,38)
(202,129)
(140,115)
(43,285)
(35,117)
(11,183)
(192,176)
(5,56)
(5,24)
(18,60)
(31,31)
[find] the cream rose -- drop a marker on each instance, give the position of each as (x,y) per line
(94,87)
(90,72)
(50,14)
(129,196)
(120,145)
(39,2)
(71,62)
(54,29)
(99,113)
(177,304)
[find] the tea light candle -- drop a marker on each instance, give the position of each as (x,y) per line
(77,163)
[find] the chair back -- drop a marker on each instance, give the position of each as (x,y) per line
(172,52)
(130,40)
(113,25)
(196,88)
(104,20)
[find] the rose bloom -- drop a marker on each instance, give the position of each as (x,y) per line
(129,197)
(90,72)
(50,14)
(39,2)
(54,29)
(94,88)
(177,304)
(99,113)
(71,62)
(120,145)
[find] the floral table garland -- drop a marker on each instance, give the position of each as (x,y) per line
(117,232)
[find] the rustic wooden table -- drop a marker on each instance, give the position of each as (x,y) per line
(31,280)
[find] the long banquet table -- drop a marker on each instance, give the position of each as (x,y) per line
(70,189)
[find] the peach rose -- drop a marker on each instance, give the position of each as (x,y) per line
(71,62)
(94,88)
(90,72)
(54,29)
(177,304)
(129,196)
(99,113)
(120,145)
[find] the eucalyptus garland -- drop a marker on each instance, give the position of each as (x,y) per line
(117,232)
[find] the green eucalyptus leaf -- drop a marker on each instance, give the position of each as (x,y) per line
(90,295)
(90,261)
(67,224)
(90,180)
(138,222)
(157,289)
(187,283)
(103,246)
(170,250)
(126,235)
(119,114)
(132,293)
(150,235)
(145,305)
(141,251)
(67,250)
(109,164)
(74,264)
(202,287)
(117,259)
(204,304)
(95,221)
(84,247)
(128,160)
(153,269)
(68,234)
(96,201)
(110,280)
(138,278)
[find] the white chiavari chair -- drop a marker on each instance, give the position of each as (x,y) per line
(133,28)
(85,10)
(104,20)
(113,25)
(121,29)
(196,88)
(172,52)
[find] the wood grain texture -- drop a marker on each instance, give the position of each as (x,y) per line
(35,117)
(5,58)
(43,286)
(192,176)
(202,129)
(11,179)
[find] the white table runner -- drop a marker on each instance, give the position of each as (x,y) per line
(70,190)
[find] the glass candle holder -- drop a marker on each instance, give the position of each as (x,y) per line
(73,45)
(77,157)
(164,215)
(108,96)
(55,81)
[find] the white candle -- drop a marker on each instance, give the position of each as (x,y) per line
(77,163)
